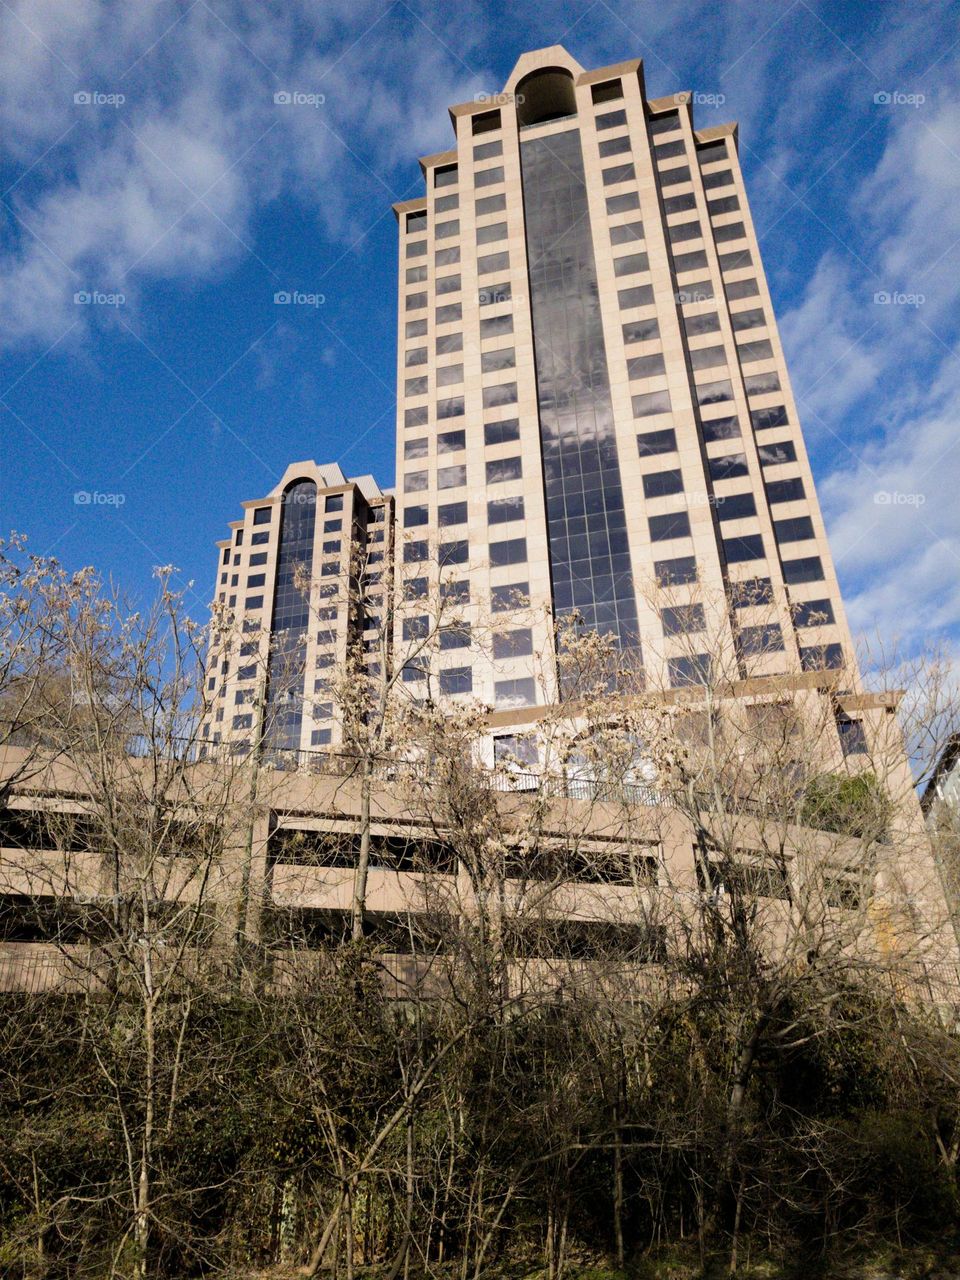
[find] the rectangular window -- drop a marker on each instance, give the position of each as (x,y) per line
(652,402)
(495,361)
(729,467)
(614,147)
(498,262)
(491,294)
(821,657)
(695,291)
(415,481)
(456,680)
(630,264)
(853,740)
(449,375)
(414,552)
(754,641)
(641,295)
(761,384)
(243,722)
(669,150)
(456,636)
(629,233)
(741,289)
(674,525)
(416,355)
(451,441)
(708,357)
(501,432)
(708,322)
(491,232)
(443,204)
(450,312)
(416,222)
(772,455)
(749,352)
(684,231)
(515,595)
(692,670)
(330,569)
(503,510)
(645,366)
(457,591)
(681,619)
(414,516)
(680,204)
(444,230)
(606,91)
(495,326)
(512,551)
(739,550)
(488,177)
(456,552)
(751,591)
(416,248)
(662,483)
(694,261)
(751,319)
(619,173)
(732,231)
(623,203)
(665,123)
(714,392)
(262,515)
(650,443)
(485,122)
(736,506)
(415,386)
(416,628)
(258,579)
(415,448)
(775,416)
(448,343)
(447,257)
(675,573)
(813,613)
(713,180)
(321,737)
(785,490)
(487,150)
(735,261)
(450,408)
(720,429)
(514,693)
(416,275)
(611,120)
(502,469)
(415,301)
(253,602)
(451,477)
(491,204)
(512,644)
(448,284)
(502,393)
(797,529)
(259,557)
(640,330)
(671,177)
(726,204)
(452,513)
(416,417)
(445,176)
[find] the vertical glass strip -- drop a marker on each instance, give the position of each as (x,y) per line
(590,565)
(289,626)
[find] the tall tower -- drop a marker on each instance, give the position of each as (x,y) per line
(594,412)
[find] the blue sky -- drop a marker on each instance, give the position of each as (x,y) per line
(197,197)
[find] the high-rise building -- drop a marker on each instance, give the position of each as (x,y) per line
(270,668)
(594,411)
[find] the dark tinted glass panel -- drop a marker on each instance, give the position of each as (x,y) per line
(709,322)
(629,233)
(680,619)
(751,591)
(501,432)
(491,204)
(291,617)
(653,442)
(761,419)
(486,122)
(608,91)
(757,640)
(674,525)
(799,529)
(614,147)
(589,555)
(736,506)
(640,330)
(813,613)
(749,547)
(665,123)
(689,671)
(487,150)
(630,264)
(671,177)
(821,657)
(516,595)
(728,467)
(456,552)
(611,119)
(722,179)
(672,573)
(662,483)
(623,203)
(511,551)
(640,295)
(720,429)
(495,326)
(452,513)
(785,490)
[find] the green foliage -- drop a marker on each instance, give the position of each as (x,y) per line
(848,804)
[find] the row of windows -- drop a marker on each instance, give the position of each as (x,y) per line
(498,471)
